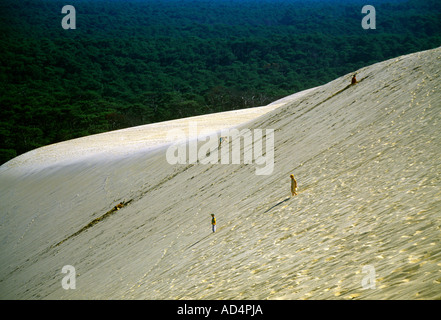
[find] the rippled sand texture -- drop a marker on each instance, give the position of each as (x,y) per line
(367,162)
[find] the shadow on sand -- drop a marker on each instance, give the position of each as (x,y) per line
(277,204)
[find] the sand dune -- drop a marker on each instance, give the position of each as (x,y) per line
(366,158)
(126,142)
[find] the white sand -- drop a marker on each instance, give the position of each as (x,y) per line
(367,163)
(137,139)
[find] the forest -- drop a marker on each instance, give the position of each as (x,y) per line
(136,62)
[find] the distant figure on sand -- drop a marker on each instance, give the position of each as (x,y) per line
(213,223)
(354,79)
(293,186)
(222,140)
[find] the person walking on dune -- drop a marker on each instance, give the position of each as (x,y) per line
(213,223)
(354,79)
(293,185)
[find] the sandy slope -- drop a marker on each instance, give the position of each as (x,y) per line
(366,158)
(126,142)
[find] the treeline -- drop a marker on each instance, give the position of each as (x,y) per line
(135,62)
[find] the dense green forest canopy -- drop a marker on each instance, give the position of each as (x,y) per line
(134,62)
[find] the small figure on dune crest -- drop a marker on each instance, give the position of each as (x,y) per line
(293,185)
(354,79)
(213,223)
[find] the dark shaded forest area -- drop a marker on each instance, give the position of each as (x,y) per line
(135,62)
